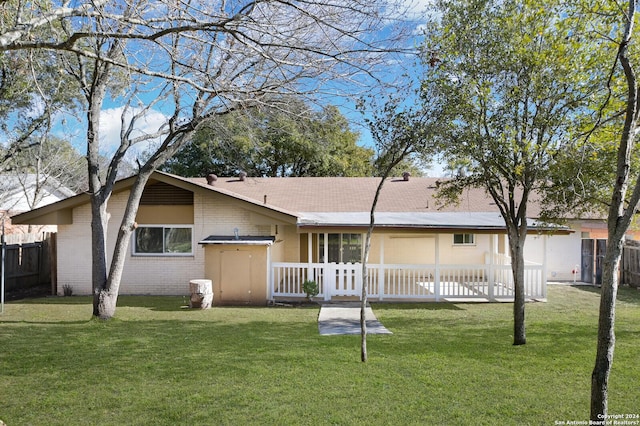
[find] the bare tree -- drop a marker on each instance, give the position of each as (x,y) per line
(195,60)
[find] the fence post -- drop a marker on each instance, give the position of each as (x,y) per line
(491,279)
(53,262)
(2,243)
(436,277)
(329,278)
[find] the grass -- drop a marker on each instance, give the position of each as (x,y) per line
(159,363)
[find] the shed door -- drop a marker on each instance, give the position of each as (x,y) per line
(586,271)
(235,277)
(601,249)
(593,252)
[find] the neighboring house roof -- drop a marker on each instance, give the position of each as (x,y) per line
(17,191)
(331,201)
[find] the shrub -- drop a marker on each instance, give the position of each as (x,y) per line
(310,288)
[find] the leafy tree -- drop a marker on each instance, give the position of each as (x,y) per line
(513,78)
(274,142)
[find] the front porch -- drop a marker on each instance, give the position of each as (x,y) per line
(405,282)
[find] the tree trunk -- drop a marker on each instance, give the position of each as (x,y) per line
(99,199)
(606,332)
(516,246)
(105,300)
(363,322)
(99,222)
(365,279)
(618,222)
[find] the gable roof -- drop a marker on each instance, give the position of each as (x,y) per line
(326,201)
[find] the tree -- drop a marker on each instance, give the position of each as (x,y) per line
(511,101)
(53,162)
(32,93)
(625,197)
(397,134)
(271,141)
(193,61)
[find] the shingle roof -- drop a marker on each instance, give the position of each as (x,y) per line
(351,194)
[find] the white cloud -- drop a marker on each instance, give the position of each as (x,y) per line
(111,125)
(417,9)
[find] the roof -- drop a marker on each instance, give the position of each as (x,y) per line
(351,194)
(17,190)
(329,202)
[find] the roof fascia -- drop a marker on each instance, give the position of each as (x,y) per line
(426,229)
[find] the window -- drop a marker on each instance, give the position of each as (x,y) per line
(342,248)
(463,239)
(163,240)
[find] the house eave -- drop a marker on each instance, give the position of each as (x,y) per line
(238,240)
(486,222)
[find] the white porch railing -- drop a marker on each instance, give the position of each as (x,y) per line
(406,282)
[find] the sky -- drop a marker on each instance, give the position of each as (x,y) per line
(111,114)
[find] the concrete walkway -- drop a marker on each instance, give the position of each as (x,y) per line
(344,318)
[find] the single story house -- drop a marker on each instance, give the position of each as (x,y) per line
(259,239)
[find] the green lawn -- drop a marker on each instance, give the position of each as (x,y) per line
(159,363)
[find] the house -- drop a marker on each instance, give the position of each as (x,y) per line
(21,193)
(259,239)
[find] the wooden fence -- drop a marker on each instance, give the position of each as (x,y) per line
(631,263)
(29,264)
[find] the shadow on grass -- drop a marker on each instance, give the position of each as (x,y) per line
(55,300)
(626,293)
(156,303)
(428,306)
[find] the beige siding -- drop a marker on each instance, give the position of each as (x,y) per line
(176,215)
(420,248)
(291,238)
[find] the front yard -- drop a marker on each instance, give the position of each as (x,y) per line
(159,363)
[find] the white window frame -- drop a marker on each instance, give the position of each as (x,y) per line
(164,253)
(464,239)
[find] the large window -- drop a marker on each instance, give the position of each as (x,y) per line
(464,239)
(163,240)
(342,248)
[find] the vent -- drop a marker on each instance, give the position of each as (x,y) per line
(406,176)
(211,178)
(167,195)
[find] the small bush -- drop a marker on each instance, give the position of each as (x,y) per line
(67,290)
(310,288)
